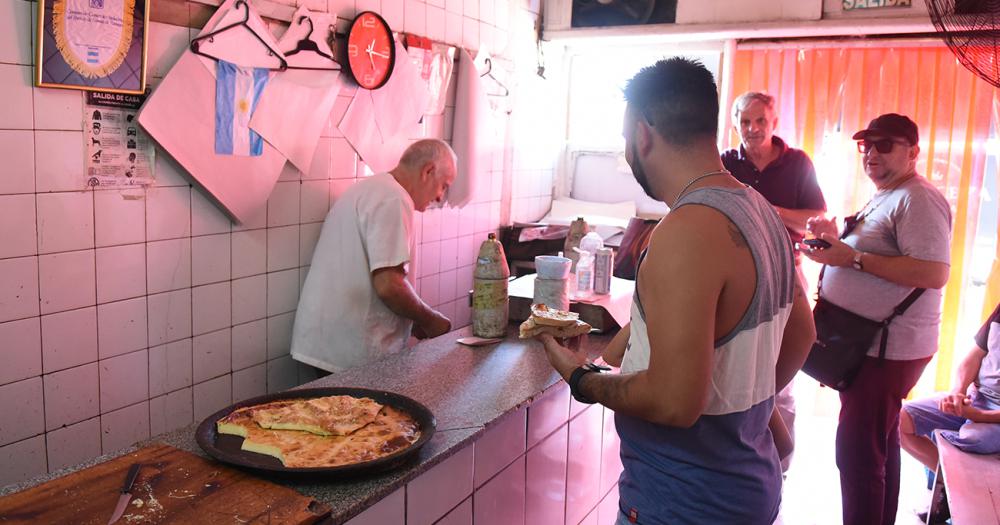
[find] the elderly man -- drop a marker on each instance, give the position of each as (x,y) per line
(900,241)
(786,178)
(356,303)
(718,322)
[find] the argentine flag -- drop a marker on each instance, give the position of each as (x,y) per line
(237,90)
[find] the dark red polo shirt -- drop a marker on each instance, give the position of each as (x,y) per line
(789,181)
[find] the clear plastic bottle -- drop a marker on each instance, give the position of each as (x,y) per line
(585,274)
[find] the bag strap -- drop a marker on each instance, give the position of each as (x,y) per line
(899,310)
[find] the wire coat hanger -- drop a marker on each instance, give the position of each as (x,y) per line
(489,73)
(307,44)
(196,43)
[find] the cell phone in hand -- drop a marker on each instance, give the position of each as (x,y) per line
(819,244)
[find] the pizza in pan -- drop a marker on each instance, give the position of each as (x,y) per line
(302,435)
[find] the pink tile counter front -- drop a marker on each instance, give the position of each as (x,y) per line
(511,445)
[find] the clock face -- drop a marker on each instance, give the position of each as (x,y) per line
(371,50)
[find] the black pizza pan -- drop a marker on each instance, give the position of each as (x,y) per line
(226,448)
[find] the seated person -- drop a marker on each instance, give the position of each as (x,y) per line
(966,417)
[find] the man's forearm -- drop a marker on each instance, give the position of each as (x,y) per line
(796,219)
(625,394)
(906,271)
(404,302)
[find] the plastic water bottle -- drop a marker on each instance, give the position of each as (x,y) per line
(585,274)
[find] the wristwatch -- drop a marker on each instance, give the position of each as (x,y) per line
(857,264)
(577,375)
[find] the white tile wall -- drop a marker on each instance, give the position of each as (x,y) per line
(122,274)
(249,344)
(75,443)
(210,306)
(119,217)
(22,460)
(17,148)
(65,221)
(124,427)
(15,88)
(66,281)
(121,327)
(124,380)
(249,382)
(212,395)
(69,339)
(212,355)
(62,171)
(21,352)
(211,259)
(25,418)
(17,226)
(170,367)
(58,109)
(168,265)
(18,288)
(71,396)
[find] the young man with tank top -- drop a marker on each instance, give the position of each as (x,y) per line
(719,322)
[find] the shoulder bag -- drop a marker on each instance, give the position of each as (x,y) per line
(844,337)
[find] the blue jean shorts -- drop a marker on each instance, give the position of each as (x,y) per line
(979,438)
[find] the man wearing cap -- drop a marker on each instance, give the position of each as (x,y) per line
(898,242)
(786,178)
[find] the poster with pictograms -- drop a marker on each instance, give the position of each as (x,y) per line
(119,153)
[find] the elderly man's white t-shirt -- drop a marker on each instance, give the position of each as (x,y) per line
(341,322)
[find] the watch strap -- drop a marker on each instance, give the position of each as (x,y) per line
(577,375)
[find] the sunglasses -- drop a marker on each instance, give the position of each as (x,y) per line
(882,146)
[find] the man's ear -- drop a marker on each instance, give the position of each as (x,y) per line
(644,137)
(427,172)
(914,151)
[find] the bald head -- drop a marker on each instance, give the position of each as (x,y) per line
(425,170)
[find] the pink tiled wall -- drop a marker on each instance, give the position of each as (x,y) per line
(540,464)
(125,315)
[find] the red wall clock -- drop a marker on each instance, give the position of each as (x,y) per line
(371,50)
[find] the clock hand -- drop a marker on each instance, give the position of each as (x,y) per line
(378,54)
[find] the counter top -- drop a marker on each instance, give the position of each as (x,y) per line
(467,389)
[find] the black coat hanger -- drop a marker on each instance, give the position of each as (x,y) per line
(196,43)
(307,44)
(489,73)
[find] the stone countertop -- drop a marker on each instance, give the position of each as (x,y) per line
(467,389)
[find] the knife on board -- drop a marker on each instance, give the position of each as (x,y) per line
(126,493)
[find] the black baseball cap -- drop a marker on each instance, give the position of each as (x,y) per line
(890,125)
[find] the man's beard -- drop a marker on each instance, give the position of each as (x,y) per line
(639,173)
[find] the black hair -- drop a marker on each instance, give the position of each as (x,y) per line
(678,97)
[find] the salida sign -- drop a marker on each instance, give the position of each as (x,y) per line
(850,5)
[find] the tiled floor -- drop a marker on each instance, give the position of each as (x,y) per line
(812,488)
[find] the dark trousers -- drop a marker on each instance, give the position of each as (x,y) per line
(868,439)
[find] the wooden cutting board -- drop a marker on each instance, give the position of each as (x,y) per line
(173,486)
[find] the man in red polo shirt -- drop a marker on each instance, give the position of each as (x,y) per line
(786,178)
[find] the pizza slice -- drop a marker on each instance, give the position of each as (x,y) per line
(325,416)
(391,430)
(558,323)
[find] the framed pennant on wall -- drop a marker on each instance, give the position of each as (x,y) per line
(93,45)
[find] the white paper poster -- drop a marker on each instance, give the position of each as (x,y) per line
(119,153)
(296,106)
